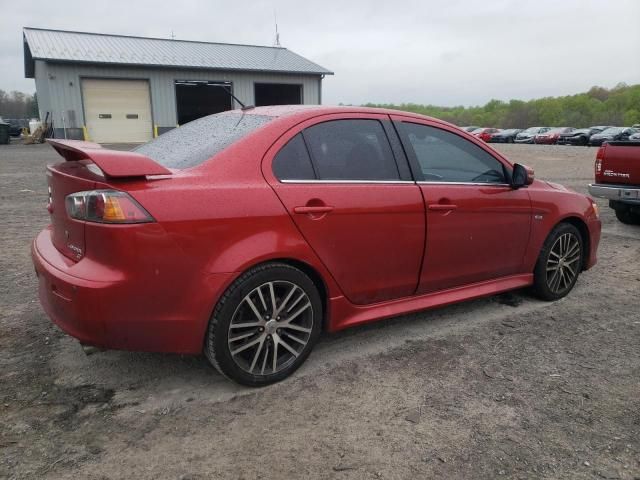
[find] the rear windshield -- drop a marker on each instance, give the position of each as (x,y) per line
(198,141)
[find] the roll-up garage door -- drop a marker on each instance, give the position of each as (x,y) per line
(117,111)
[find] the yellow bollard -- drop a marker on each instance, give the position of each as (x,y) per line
(85,134)
(155,131)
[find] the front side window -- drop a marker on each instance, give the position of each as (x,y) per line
(355,149)
(446,157)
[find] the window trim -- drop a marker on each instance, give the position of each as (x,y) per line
(412,158)
(390,182)
(480,184)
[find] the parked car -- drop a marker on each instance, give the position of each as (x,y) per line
(244,234)
(579,136)
(527,135)
(505,136)
(617,178)
(484,134)
(611,134)
(16,125)
(470,129)
(550,137)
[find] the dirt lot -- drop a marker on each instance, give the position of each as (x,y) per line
(504,387)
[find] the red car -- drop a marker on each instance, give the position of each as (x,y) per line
(485,134)
(550,137)
(245,234)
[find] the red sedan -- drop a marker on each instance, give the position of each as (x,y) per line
(484,134)
(550,137)
(245,234)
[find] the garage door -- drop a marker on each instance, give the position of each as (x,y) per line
(117,111)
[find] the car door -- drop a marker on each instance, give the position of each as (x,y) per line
(347,186)
(477,225)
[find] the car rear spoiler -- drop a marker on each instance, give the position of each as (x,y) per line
(114,163)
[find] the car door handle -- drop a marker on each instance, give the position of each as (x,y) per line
(313,209)
(442,207)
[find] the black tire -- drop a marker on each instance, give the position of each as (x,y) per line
(217,341)
(627,217)
(547,286)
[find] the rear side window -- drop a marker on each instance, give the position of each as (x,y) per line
(292,162)
(351,150)
(446,157)
(198,141)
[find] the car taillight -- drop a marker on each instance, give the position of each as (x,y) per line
(106,206)
(599,157)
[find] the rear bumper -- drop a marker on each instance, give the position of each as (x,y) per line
(113,309)
(626,194)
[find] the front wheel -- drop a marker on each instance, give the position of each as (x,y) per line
(265,325)
(559,264)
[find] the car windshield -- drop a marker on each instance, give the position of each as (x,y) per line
(509,131)
(532,130)
(612,131)
(198,141)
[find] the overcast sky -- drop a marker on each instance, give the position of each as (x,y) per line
(443,52)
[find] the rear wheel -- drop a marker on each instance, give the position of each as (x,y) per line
(559,264)
(627,217)
(265,325)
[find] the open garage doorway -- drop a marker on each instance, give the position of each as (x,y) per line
(277,94)
(199,98)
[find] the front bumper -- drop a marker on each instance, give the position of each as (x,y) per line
(523,140)
(119,309)
(621,193)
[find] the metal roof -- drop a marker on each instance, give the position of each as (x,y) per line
(64,46)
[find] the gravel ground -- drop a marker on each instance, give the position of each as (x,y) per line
(504,387)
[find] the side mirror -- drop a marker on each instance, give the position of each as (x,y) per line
(521,176)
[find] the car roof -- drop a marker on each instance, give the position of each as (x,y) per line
(310,111)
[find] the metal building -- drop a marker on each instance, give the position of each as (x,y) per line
(113,88)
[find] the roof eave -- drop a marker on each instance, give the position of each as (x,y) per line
(173,67)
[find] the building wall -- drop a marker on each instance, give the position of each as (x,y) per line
(59,88)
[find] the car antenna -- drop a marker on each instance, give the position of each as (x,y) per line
(242,105)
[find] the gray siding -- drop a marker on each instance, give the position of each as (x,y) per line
(59,87)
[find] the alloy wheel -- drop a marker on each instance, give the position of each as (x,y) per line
(563,263)
(270,328)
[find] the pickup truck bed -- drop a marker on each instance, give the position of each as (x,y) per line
(617,178)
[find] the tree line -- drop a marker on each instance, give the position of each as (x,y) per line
(18,105)
(619,106)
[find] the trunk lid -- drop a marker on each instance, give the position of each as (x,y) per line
(88,167)
(618,163)
(64,179)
